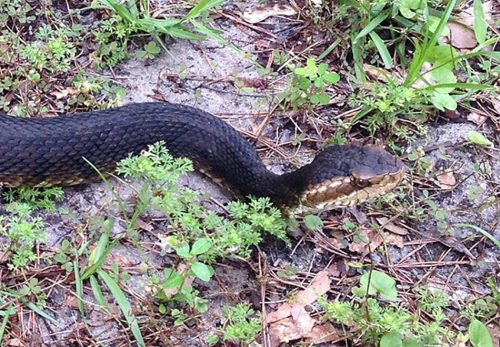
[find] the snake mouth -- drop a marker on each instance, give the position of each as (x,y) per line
(341,192)
(368,173)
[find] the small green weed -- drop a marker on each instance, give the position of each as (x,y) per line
(412,34)
(390,324)
(160,172)
(130,19)
(20,228)
(308,85)
(241,326)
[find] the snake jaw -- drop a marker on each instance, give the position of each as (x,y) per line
(341,192)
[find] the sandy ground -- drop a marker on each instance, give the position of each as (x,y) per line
(204,75)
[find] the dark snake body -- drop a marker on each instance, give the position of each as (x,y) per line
(50,151)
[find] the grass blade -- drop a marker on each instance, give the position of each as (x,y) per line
(421,50)
(124,305)
(480,25)
(201,7)
(481,231)
(382,49)
(372,25)
(98,295)
(7,313)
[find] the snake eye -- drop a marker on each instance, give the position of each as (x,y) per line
(361,183)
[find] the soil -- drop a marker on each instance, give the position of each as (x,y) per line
(209,75)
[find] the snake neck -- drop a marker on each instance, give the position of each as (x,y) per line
(283,190)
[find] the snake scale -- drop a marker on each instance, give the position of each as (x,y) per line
(50,151)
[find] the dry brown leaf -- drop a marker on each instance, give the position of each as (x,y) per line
(71,301)
(288,329)
(394,239)
(62,94)
(15,342)
(291,321)
(457,245)
(466,17)
(446,179)
(323,333)
(374,238)
(144,225)
(476,118)
(391,226)
(257,14)
(461,36)
(319,286)
(120,260)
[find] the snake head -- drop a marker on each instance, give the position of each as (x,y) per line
(342,176)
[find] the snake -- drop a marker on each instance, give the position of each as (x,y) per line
(56,151)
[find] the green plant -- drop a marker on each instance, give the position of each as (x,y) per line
(160,172)
(22,232)
(406,34)
(130,19)
(173,287)
(308,85)
(241,326)
(150,51)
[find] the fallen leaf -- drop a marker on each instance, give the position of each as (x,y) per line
(446,179)
(15,342)
(323,333)
(62,94)
(391,226)
(319,286)
(476,118)
(288,329)
(291,321)
(374,238)
(461,36)
(120,260)
(257,14)
(394,239)
(466,16)
(457,245)
(71,301)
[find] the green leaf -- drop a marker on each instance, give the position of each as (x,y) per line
(380,284)
(183,251)
(124,305)
(172,279)
(318,82)
(313,222)
(152,48)
(372,25)
(443,75)
(478,139)
(331,77)
(443,101)
(479,334)
(382,49)
(302,71)
(201,246)
(323,99)
(480,25)
(433,25)
(392,339)
(407,8)
(202,271)
(322,68)
(304,83)
(311,66)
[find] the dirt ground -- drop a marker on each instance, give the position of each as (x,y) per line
(207,75)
